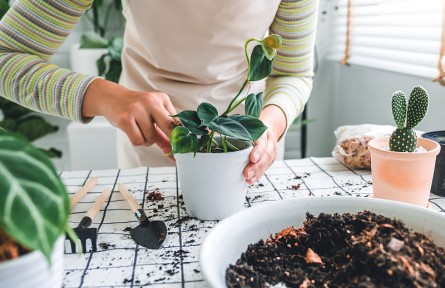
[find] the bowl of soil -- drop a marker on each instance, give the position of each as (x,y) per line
(327,242)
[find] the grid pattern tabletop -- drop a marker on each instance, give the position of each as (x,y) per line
(120,262)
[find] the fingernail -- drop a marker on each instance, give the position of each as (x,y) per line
(250,174)
(256,156)
(253,179)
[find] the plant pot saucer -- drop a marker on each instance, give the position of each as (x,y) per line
(427,206)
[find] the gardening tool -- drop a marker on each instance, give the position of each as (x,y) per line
(83,231)
(82,191)
(150,234)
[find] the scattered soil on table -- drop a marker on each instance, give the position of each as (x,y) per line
(128,229)
(106,246)
(10,249)
(155,195)
(348,250)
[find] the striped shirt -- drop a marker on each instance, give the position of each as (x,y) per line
(32,31)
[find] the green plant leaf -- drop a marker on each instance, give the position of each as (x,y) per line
(34,204)
(4,7)
(254,104)
(34,127)
(101,64)
(230,127)
(191,121)
(183,141)
(13,110)
(91,39)
(202,143)
(260,66)
(114,71)
(253,125)
(268,52)
(115,47)
(207,113)
(8,124)
(52,152)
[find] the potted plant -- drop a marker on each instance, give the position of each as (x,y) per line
(95,54)
(34,209)
(212,149)
(402,165)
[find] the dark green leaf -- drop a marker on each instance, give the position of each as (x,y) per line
(52,152)
(114,71)
(203,142)
(230,127)
(191,121)
(8,124)
(34,127)
(183,141)
(4,7)
(254,125)
(13,110)
(91,39)
(101,64)
(34,204)
(207,113)
(254,104)
(260,66)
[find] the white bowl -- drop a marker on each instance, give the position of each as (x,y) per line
(230,237)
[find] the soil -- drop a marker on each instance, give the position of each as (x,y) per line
(155,195)
(10,249)
(348,250)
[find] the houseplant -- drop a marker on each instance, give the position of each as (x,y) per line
(97,54)
(401,173)
(211,150)
(34,209)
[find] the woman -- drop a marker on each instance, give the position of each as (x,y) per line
(176,55)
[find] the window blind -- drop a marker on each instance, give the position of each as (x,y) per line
(397,35)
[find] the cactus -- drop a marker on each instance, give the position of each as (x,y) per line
(404,139)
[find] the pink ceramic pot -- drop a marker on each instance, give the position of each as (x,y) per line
(403,176)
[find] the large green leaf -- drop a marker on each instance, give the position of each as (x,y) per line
(34,127)
(254,104)
(254,125)
(115,48)
(183,141)
(231,128)
(260,66)
(207,113)
(191,121)
(8,124)
(34,205)
(91,39)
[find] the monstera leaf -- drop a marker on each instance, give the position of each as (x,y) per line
(34,204)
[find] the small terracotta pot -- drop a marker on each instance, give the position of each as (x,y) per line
(213,185)
(403,176)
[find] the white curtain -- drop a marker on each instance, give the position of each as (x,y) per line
(396,35)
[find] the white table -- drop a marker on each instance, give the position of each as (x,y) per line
(119,262)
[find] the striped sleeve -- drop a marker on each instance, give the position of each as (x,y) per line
(290,82)
(30,33)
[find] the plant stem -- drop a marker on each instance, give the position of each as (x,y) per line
(224,143)
(236,104)
(234,98)
(209,143)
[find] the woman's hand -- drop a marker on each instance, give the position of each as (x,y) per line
(264,153)
(143,116)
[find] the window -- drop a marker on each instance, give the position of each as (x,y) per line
(397,35)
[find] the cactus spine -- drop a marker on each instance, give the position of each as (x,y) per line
(404,139)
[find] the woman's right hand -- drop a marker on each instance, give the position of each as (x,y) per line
(143,116)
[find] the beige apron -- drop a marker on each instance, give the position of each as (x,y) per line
(190,49)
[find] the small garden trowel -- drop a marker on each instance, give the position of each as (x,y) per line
(150,234)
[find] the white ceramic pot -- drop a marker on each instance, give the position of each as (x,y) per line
(84,60)
(224,244)
(213,185)
(33,270)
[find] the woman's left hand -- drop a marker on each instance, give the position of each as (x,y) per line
(264,152)
(262,156)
